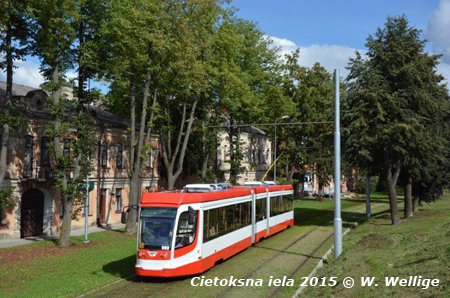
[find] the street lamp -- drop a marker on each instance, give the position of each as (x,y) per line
(275,149)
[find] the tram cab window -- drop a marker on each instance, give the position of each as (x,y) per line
(156,227)
(186,232)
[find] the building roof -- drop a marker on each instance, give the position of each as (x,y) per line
(26,94)
(17,89)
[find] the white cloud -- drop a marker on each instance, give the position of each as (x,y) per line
(329,56)
(438,33)
(27,73)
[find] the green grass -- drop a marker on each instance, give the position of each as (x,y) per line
(43,270)
(419,246)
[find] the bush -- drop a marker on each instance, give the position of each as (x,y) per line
(361,184)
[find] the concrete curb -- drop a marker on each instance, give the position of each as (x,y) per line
(78,232)
(322,260)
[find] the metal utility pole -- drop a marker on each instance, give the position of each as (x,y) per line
(337,170)
(86,205)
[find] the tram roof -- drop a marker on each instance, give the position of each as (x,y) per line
(180,198)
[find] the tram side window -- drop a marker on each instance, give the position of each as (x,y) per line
(230,217)
(261,209)
(237,215)
(273,206)
(282,202)
(248,209)
(185,232)
(211,224)
(222,220)
(289,202)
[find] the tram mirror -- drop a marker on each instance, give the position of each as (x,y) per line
(191,215)
(123,219)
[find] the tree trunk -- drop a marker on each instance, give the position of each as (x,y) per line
(183,149)
(133,118)
(393,202)
(415,204)
(5,128)
(205,154)
(408,196)
(64,235)
(130,227)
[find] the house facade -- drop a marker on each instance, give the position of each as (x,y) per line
(30,170)
(256,149)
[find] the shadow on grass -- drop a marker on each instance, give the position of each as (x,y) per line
(124,268)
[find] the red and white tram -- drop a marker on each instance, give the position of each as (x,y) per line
(184,233)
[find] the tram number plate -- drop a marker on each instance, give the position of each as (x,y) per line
(165,247)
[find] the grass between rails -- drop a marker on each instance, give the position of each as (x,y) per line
(419,246)
(43,270)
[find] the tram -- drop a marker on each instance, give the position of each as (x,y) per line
(187,232)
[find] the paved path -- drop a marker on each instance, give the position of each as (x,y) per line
(78,232)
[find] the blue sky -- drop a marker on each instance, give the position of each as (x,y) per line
(326,31)
(329,31)
(348,23)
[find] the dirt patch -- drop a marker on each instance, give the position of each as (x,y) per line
(375,240)
(25,254)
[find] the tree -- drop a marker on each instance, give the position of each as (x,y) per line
(247,81)
(186,80)
(14,35)
(311,91)
(61,41)
(392,95)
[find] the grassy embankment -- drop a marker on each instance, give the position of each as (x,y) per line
(419,246)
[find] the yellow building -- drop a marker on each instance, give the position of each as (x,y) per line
(30,169)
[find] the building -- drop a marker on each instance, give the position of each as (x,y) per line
(30,169)
(256,149)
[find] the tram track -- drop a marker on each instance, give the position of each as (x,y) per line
(282,251)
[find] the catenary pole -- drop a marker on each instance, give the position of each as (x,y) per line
(337,171)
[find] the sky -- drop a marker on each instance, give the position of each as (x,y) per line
(329,31)
(326,31)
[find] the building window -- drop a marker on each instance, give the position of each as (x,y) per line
(66,148)
(104,152)
(45,153)
(119,160)
(28,157)
(118,199)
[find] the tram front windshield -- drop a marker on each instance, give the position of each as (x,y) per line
(157,227)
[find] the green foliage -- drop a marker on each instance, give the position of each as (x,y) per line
(14,26)
(396,106)
(361,184)
(5,198)
(311,91)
